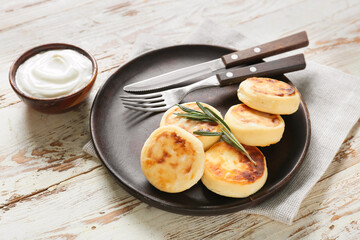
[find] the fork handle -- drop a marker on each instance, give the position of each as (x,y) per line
(284,65)
(272,48)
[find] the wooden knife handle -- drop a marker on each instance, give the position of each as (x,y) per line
(253,54)
(265,69)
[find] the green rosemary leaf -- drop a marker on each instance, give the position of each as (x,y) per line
(194,117)
(206,111)
(228,141)
(233,139)
(237,144)
(222,122)
(228,135)
(201,120)
(188,110)
(203,133)
(190,115)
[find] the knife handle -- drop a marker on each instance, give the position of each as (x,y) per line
(265,69)
(259,52)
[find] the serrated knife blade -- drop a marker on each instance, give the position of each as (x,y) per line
(176,77)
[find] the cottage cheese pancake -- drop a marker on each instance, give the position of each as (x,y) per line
(254,128)
(269,95)
(169,118)
(228,172)
(172,159)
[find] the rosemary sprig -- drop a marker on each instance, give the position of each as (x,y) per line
(210,116)
(203,133)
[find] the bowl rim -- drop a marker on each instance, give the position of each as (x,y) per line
(48,47)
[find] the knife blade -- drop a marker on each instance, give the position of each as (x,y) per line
(176,77)
(249,55)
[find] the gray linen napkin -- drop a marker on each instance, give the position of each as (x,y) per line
(333,100)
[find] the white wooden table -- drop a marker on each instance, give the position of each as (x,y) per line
(51,189)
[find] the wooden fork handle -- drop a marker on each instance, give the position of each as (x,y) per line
(265,69)
(259,52)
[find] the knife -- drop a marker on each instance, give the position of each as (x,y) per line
(249,55)
(161,101)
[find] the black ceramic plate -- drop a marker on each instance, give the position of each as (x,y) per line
(119,134)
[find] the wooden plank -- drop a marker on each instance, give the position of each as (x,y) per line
(93,204)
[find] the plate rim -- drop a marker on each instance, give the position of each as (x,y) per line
(206,211)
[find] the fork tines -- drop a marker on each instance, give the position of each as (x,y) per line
(153,102)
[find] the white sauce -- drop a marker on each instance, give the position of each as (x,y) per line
(54,73)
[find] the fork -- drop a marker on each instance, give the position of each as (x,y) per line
(161,101)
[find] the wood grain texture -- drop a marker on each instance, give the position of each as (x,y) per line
(50,189)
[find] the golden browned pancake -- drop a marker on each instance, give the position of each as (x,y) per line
(228,172)
(269,95)
(254,128)
(172,159)
(169,118)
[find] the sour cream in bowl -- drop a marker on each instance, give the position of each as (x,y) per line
(53,77)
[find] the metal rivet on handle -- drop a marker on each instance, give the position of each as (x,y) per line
(229,74)
(253,69)
(234,56)
(257,50)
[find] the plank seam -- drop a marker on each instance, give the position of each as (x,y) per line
(45,189)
